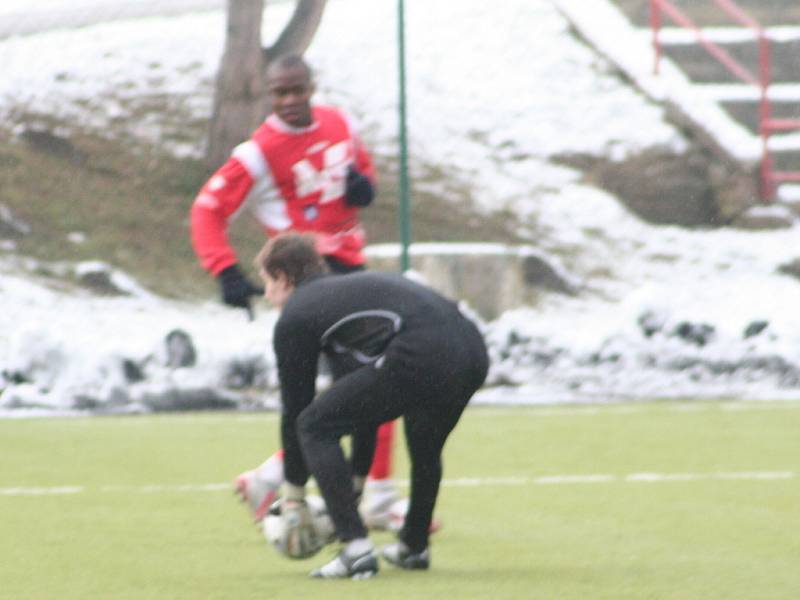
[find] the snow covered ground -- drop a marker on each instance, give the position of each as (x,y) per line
(493,95)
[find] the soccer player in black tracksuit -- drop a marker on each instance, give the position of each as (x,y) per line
(405,351)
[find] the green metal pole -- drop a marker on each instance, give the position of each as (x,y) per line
(405,212)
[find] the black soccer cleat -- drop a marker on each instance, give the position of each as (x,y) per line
(399,555)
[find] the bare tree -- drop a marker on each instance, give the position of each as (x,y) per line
(240,101)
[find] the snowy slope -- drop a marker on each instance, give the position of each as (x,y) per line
(492,96)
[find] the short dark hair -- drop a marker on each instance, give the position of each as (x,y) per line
(293,255)
(290,61)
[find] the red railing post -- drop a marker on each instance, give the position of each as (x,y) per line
(655,24)
(765,114)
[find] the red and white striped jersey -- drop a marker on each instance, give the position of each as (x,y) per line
(291,179)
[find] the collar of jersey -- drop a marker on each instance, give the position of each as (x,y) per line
(311,278)
(276,122)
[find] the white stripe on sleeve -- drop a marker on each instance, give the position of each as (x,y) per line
(264,199)
(249,154)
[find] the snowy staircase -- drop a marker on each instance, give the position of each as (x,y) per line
(739,100)
(696,82)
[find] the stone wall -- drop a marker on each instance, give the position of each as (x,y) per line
(491,278)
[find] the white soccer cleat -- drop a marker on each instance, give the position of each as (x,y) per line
(259,487)
(343,566)
(389,514)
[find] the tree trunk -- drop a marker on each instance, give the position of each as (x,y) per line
(240,99)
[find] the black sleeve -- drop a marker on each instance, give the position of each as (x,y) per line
(297,351)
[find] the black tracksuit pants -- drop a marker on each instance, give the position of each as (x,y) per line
(427,377)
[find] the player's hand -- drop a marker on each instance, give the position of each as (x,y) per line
(236,289)
(358,188)
(301,535)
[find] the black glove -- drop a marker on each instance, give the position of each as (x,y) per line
(236,289)
(358,188)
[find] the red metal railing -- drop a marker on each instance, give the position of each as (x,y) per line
(770,178)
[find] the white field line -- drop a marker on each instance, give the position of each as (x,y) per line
(42,491)
(627,409)
(484,410)
(461,482)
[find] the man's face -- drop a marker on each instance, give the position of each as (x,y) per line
(290,91)
(276,289)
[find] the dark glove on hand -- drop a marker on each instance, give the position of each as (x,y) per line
(236,289)
(358,188)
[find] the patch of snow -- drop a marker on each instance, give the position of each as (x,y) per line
(481,109)
(723,35)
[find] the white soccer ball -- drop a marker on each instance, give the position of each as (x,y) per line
(276,531)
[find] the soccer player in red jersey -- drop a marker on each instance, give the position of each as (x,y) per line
(304,169)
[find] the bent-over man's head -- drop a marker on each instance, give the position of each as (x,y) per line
(285,261)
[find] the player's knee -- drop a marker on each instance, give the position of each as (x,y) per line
(311,425)
(307,423)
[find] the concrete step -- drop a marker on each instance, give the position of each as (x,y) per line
(787,144)
(786,161)
(680,36)
(747,113)
(789,193)
(779,93)
(701,67)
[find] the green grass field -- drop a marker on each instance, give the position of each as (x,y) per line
(537,503)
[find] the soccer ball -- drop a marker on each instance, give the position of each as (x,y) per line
(278,532)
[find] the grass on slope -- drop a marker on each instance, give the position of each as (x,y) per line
(132,204)
(140,525)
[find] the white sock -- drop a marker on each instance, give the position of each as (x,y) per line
(380,485)
(358,546)
(294,492)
